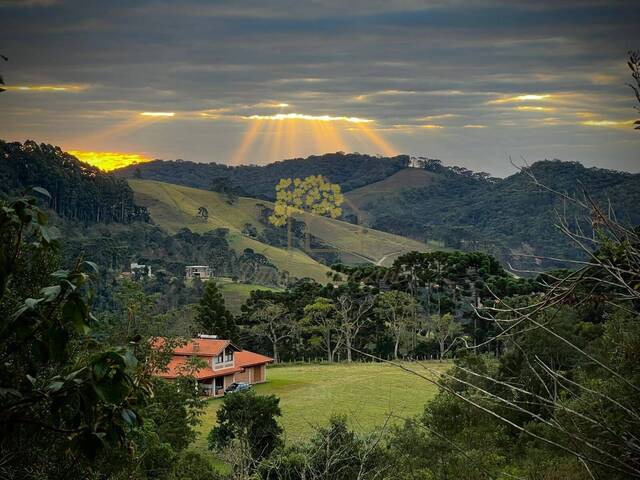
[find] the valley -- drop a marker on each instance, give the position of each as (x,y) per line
(173,207)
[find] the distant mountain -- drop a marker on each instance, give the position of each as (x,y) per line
(350,170)
(506,217)
(428,202)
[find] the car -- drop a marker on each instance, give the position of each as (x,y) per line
(237,387)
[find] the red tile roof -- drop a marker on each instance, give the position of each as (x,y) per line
(207,348)
(201,347)
(245,358)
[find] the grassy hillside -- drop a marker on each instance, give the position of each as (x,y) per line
(235,294)
(175,206)
(367,393)
(406,178)
(350,170)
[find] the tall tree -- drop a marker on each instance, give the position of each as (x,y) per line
(352,311)
(212,316)
(312,194)
(321,315)
(444,329)
(397,309)
(273,322)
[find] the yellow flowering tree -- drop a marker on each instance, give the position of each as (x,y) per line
(313,194)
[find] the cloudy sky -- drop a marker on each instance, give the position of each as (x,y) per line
(242,81)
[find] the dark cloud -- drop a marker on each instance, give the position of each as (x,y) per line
(404,63)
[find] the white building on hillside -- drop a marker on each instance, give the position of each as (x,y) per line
(199,271)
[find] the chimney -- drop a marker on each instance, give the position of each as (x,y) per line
(204,335)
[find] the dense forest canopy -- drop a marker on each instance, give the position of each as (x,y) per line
(78,190)
(506,217)
(349,170)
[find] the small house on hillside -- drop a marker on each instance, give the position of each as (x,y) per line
(225,364)
(199,271)
(138,270)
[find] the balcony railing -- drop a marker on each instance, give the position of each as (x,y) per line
(220,366)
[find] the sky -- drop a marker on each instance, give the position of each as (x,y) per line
(474,84)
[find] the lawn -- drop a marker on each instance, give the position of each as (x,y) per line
(367,393)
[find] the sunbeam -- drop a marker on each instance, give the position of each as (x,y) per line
(239,156)
(385,147)
(273,137)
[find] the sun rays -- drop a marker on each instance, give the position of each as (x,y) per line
(266,138)
(273,137)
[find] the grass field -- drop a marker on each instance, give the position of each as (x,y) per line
(367,393)
(175,206)
(235,294)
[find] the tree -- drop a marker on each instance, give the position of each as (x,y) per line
(273,322)
(137,307)
(443,328)
(333,452)
(203,214)
(249,423)
(191,465)
(60,390)
(352,310)
(321,314)
(397,309)
(175,411)
(313,194)
(212,316)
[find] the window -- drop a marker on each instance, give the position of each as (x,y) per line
(228,356)
(219,358)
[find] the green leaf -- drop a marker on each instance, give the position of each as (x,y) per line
(130,359)
(51,292)
(55,386)
(75,311)
(92,265)
(129,416)
(41,191)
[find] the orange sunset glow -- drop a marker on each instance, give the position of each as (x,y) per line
(109,160)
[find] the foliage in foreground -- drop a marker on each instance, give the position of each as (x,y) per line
(247,428)
(73,402)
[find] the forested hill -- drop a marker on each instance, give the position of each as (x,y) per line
(501,216)
(350,170)
(78,190)
(509,217)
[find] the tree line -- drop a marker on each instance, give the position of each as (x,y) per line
(423,306)
(77,190)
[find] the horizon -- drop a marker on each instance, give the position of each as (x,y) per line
(256,83)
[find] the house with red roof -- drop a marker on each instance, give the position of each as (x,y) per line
(224,364)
